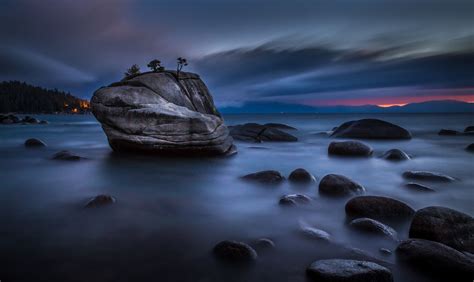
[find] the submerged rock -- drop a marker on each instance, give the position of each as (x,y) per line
(448,132)
(339,185)
(265,177)
(100,201)
(156,113)
(315,233)
(395,155)
(444,225)
(264,244)
(434,257)
(470,147)
(294,200)
(349,148)
(385,251)
(234,251)
(301,176)
(371,129)
(34,143)
(469,129)
(279,126)
(427,175)
(373,226)
(378,207)
(257,133)
(66,156)
(340,270)
(418,187)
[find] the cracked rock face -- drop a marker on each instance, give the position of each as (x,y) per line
(156,113)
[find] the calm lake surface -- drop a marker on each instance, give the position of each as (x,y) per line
(171,212)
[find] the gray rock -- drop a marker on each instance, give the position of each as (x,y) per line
(294,200)
(371,129)
(427,175)
(255,132)
(338,185)
(265,177)
(66,156)
(100,201)
(264,244)
(448,132)
(470,148)
(418,187)
(350,148)
(234,251)
(434,257)
(373,226)
(279,126)
(342,270)
(469,128)
(378,207)
(301,176)
(395,155)
(315,233)
(156,113)
(34,143)
(444,225)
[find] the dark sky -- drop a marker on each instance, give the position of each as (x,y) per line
(307,52)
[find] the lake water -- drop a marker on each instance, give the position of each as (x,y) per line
(171,212)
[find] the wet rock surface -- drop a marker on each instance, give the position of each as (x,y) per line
(336,185)
(254,132)
(448,132)
(371,129)
(341,270)
(427,176)
(66,156)
(34,143)
(301,176)
(419,187)
(349,149)
(395,155)
(233,251)
(265,177)
(372,226)
(435,258)
(294,200)
(378,207)
(100,201)
(444,225)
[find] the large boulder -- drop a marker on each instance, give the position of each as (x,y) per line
(437,258)
(371,129)
(255,132)
(157,113)
(444,225)
(378,207)
(349,149)
(342,270)
(335,185)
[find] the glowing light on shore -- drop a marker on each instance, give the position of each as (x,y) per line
(391,105)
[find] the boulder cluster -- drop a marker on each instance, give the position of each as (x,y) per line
(13,119)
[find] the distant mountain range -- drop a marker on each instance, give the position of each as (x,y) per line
(444,106)
(20,97)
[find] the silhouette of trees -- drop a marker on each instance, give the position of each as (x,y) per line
(180,64)
(155,65)
(19,97)
(133,70)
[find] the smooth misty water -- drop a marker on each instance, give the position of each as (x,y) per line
(171,212)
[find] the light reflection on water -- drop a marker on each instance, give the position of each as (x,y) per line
(170,212)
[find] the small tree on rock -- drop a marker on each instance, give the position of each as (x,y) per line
(155,65)
(181,63)
(133,70)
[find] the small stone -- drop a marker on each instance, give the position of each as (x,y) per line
(66,156)
(378,207)
(264,243)
(294,200)
(469,128)
(395,155)
(33,142)
(373,226)
(418,187)
(265,177)
(428,176)
(301,176)
(349,149)
(100,201)
(470,148)
(234,251)
(385,251)
(336,185)
(315,233)
(448,132)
